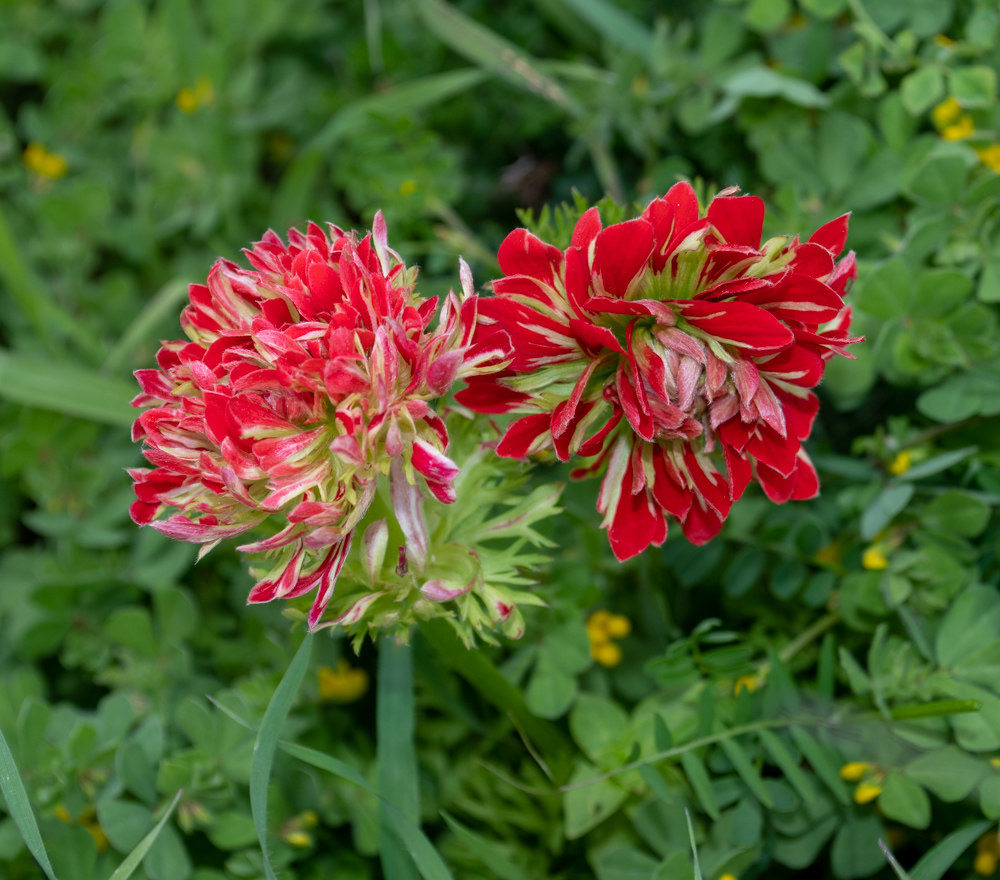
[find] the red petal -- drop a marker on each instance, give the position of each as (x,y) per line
(636,524)
(798,298)
(740,324)
(621,253)
(832,235)
(586,229)
(486,395)
(522,434)
(738,219)
(701,524)
(522,253)
(812,260)
(595,338)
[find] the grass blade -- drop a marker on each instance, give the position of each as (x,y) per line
(19,808)
(937,860)
(397,758)
(66,388)
(615,25)
(694,846)
(164,303)
(896,867)
(489,854)
(125,869)
(492,52)
(267,743)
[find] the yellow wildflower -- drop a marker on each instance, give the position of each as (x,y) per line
(874,559)
(100,838)
(943,41)
(728,876)
(608,654)
(299,839)
(51,165)
(750,682)
(602,627)
(946,112)
(987,854)
(640,85)
(854,771)
(901,463)
(828,555)
(995,763)
(62,814)
(866,792)
(618,626)
(408,187)
(343,684)
(202,95)
(961,129)
(990,156)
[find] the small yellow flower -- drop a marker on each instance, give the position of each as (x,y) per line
(728,876)
(308,818)
(38,159)
(408,187)
(750,682)
(995,763)
(187,101)
(100,838)
(299,839)
(990,156)
(943,41)
(343,684)
(854,771)
(989,843)
(618,626)
(62,814)
(901,463)
(874,559)
(961,129)
(640,85)
(828,555)
(946,112)
(609,654)
(985,864)
(866,792)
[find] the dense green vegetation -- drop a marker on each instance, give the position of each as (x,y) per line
(821,676)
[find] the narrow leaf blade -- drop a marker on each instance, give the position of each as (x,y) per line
(132,860)
(19,806)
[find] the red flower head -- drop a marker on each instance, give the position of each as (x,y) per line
(303,381)
(667,346)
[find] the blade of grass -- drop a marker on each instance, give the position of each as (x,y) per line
(267,743)
(427,859)
(615,25)
(489,50)
(477,670)
(66,388)
(164,303)
(19,807)
(373,35)
(397,758)
(694,846)
(132,860)
(489,854)
(896,867)
(937,860)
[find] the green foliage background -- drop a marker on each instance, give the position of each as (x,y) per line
(188,128)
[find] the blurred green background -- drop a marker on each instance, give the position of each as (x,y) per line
(141,140)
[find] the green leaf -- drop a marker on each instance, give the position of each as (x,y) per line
(762,82)
(855,851)
(937,463)
(782,756)
(765,16)
(615,25)
(948,773)
(697,776)
(267,743)
(887,504)
(124,822)
(551,690)
(988,290)
(490,855)
(232,830)
(164,304)
(589,804)
(821,762)
(938,180)
(972,622)
(905,801)
(989,797)
(939,292)
(492,52)
(941,857)
(397,759)
(132,860)
(168,857)
(596,724)
(19,807)
(958,512)
(746,770)
(66,388)
(694,846)
(973,86)
(886,292)
(922,89)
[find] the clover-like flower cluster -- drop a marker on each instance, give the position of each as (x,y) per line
(676,349)
(302,381)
